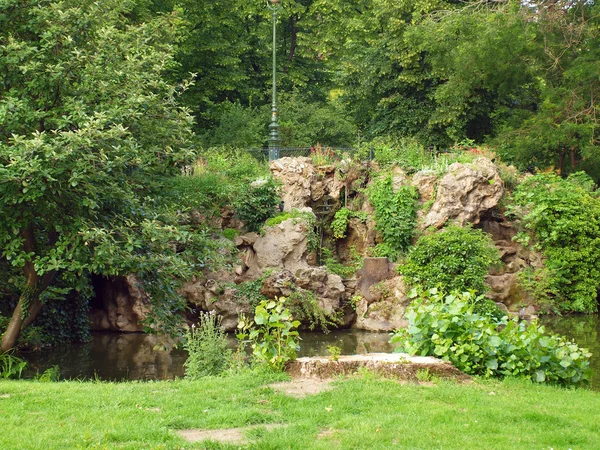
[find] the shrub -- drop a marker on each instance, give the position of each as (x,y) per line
(271,334)
(446,326)
(346,270)
(305,307)
(207,348)
(339,225)
(455,258)
(562,219)
(405,153)
(257,203)
(395,212)
(249,292)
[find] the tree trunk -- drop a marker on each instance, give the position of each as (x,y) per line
(573,159)
(30,298)
(561,163)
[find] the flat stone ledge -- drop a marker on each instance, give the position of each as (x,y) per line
(394,365)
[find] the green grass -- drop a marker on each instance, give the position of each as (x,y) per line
(362,413)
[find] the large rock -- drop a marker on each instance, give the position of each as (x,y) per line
(464,193)
(384,310)
(425,182)
(217,296)
(283,246)
(120,305)
(382,297)
(303,183)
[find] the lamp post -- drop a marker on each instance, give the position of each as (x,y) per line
(274,6)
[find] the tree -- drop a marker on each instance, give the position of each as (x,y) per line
(90,128)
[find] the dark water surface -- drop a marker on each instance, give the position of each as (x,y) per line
(114,356)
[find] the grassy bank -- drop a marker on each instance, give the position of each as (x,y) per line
(363,412)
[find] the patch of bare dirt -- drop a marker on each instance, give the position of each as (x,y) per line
(225,436)
(302,387)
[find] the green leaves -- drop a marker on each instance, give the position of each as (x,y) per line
(272,334)
(395,213)
(455,258)
(562,217)
(446,326)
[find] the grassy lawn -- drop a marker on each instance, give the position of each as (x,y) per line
(363,412)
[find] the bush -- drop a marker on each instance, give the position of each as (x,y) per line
(395,212)
(257,203)
(304,306)
(562,219)
(408,154)
(271,334)
(207,348)
(455,258)
(346,270)
(446,326)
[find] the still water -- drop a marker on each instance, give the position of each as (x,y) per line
(113,356)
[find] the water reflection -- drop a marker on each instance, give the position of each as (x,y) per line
(113,356)
(585,330)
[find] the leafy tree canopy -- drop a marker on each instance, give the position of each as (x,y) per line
(89,129)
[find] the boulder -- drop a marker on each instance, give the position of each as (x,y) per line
(303,183)
(425,182)
(218,296)
(283,246)
(385,309)
(464,193)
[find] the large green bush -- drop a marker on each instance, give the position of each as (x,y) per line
(455,258)
(563,218)
(257,203)
(395,213)
(446,326)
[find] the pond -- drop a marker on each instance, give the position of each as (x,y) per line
(114,356)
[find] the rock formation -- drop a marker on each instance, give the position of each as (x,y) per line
(120,305)
(464,193)
(303,183)
(383,297)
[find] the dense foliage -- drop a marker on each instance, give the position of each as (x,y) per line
(446,326)
(257,203)
(561,217)
(395,213)
(454,258)
(90,129)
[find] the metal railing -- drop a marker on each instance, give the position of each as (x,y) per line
(262,154)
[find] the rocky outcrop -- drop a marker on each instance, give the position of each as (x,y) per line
(503,281)
(304,183)
(120,305)
(382,297)
(282,246)
(216,293)
(280,256)
(464,193)
(425,182)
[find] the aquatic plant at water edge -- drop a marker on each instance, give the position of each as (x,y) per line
(11,366)
(445,326)
(271,334)
(207,347)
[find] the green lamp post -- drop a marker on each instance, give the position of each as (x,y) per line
(274,6)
